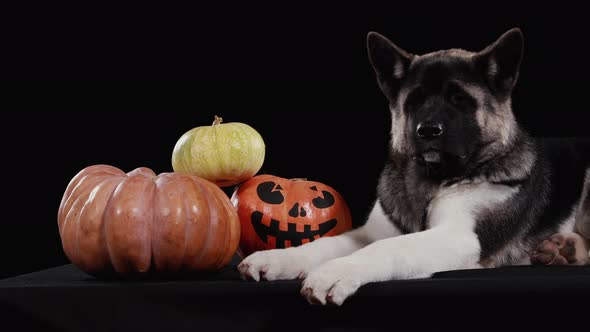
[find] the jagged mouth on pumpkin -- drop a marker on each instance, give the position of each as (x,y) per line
(291,234)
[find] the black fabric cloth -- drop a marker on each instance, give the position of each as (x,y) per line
(66,299)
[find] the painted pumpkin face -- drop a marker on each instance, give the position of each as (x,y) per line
(280,213)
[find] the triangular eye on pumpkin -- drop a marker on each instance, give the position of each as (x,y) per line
(323,202)
(269,194)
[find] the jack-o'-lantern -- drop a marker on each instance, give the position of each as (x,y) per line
(279,213)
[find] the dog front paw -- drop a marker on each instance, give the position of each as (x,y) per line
(275,264)
(561,249)
(332,282)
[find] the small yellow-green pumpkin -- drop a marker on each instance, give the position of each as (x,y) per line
(224,153)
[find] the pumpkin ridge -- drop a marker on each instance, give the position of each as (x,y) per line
(103,237)
(243,132)
(91,170)
(91,202)
(186,225)
(193,228)
(132,259)
(67,206)
(82,191)
(105,221)
(228,223)
(69,248)
(163,226)
(87,204)
(224,224)
(224,162)
(220,224)
(205,247)
(150,223)
(230,229)
(235,229)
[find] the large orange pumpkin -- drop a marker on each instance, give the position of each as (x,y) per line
(138,222)
(279,213)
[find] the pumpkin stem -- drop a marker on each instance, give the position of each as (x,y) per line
(298,179)
(218,120)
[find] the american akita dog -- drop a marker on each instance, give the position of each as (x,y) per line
(464,186)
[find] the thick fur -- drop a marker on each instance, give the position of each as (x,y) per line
(583,215)
(464,186)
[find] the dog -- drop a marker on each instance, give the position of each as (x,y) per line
(464,186)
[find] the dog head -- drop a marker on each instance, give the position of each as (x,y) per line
(452,107)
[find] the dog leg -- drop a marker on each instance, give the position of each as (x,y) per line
(295,262)
(583,215)
(415,255)
(450,243)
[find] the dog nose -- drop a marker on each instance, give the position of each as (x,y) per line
(429,130)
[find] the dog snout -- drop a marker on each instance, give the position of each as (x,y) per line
(429,130)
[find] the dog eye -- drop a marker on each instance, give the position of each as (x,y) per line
(458,99)
(415,98)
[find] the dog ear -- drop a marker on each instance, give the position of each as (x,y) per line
(500,62)
(390,63)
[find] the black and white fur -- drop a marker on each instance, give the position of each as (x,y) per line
(475,191)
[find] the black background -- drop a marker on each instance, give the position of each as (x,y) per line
(297,73)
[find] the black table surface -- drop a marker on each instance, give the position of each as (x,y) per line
(66,299)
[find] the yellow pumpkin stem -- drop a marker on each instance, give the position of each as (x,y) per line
(218,120)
